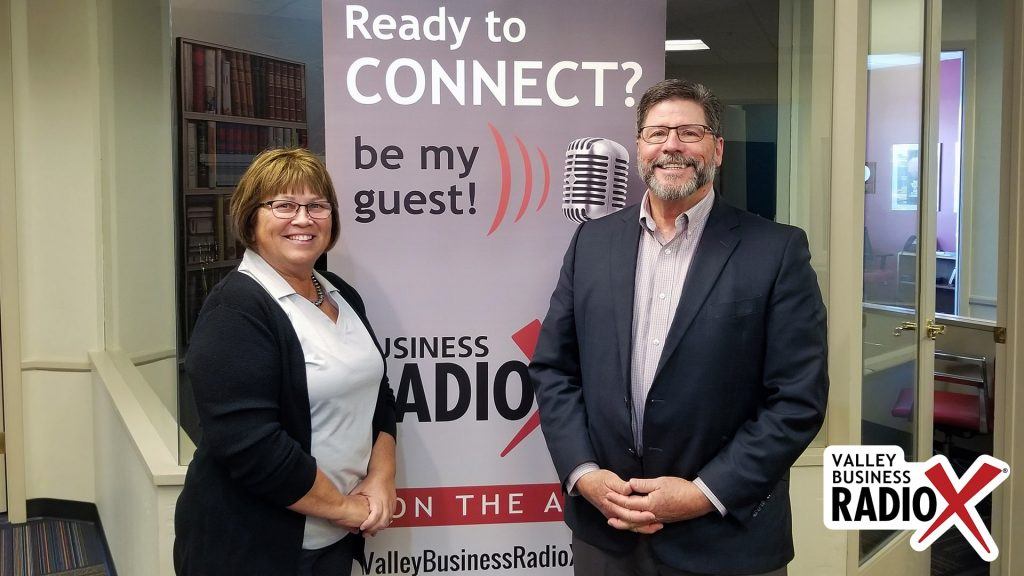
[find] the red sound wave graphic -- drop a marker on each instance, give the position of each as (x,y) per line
(506,179)
(547,178)
(505,196)
(526,338)
(528,187)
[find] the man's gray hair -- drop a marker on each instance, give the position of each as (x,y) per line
(676,89)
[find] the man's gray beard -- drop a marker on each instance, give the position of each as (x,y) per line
(703,174)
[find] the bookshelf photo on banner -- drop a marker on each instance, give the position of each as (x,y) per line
(232,104)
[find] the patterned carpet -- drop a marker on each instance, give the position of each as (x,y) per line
(50,547)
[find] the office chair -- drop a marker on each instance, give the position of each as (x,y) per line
(956,413)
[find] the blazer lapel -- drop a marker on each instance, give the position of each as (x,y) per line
(623,251)
(716,245)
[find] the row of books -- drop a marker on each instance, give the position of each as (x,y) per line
(210,236)
(248,139)
(217,153)
(198,284)
(219,81)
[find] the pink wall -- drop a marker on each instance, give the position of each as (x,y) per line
(950,82)
(894,117)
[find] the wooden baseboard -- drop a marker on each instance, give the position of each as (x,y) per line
(64,509)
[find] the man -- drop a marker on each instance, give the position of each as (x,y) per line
(681,368)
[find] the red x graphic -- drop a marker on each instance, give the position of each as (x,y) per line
(526,338)
(957,501)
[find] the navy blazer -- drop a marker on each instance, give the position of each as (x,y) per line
(739,393)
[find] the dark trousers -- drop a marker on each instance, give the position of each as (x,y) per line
(589,560)
(333,560)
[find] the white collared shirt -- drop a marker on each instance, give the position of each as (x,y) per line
(343,373)
(661,268)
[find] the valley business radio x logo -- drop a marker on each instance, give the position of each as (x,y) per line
(875,488)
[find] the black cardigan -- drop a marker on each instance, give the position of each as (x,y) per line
(248,375)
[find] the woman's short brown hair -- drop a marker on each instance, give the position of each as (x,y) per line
(276,171)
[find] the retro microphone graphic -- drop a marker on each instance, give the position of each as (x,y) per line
(596,172)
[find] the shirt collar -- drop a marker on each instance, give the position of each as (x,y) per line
(697,214)
(254,265)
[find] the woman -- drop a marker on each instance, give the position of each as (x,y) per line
(297,454)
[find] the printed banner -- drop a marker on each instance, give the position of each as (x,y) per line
(447,127)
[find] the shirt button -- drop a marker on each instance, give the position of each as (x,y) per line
(662,295)
(657,342)
(668,251)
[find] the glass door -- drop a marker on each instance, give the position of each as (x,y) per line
(900,174)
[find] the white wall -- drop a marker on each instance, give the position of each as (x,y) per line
(136,506)
(136,63)
(984,257)
(56,153)
(136,59)
(58,435)
(977,26)
(125,495)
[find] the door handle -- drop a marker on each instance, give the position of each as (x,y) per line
(911,326)
(934,330)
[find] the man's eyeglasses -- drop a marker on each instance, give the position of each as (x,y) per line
(686,133)
(286,209)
